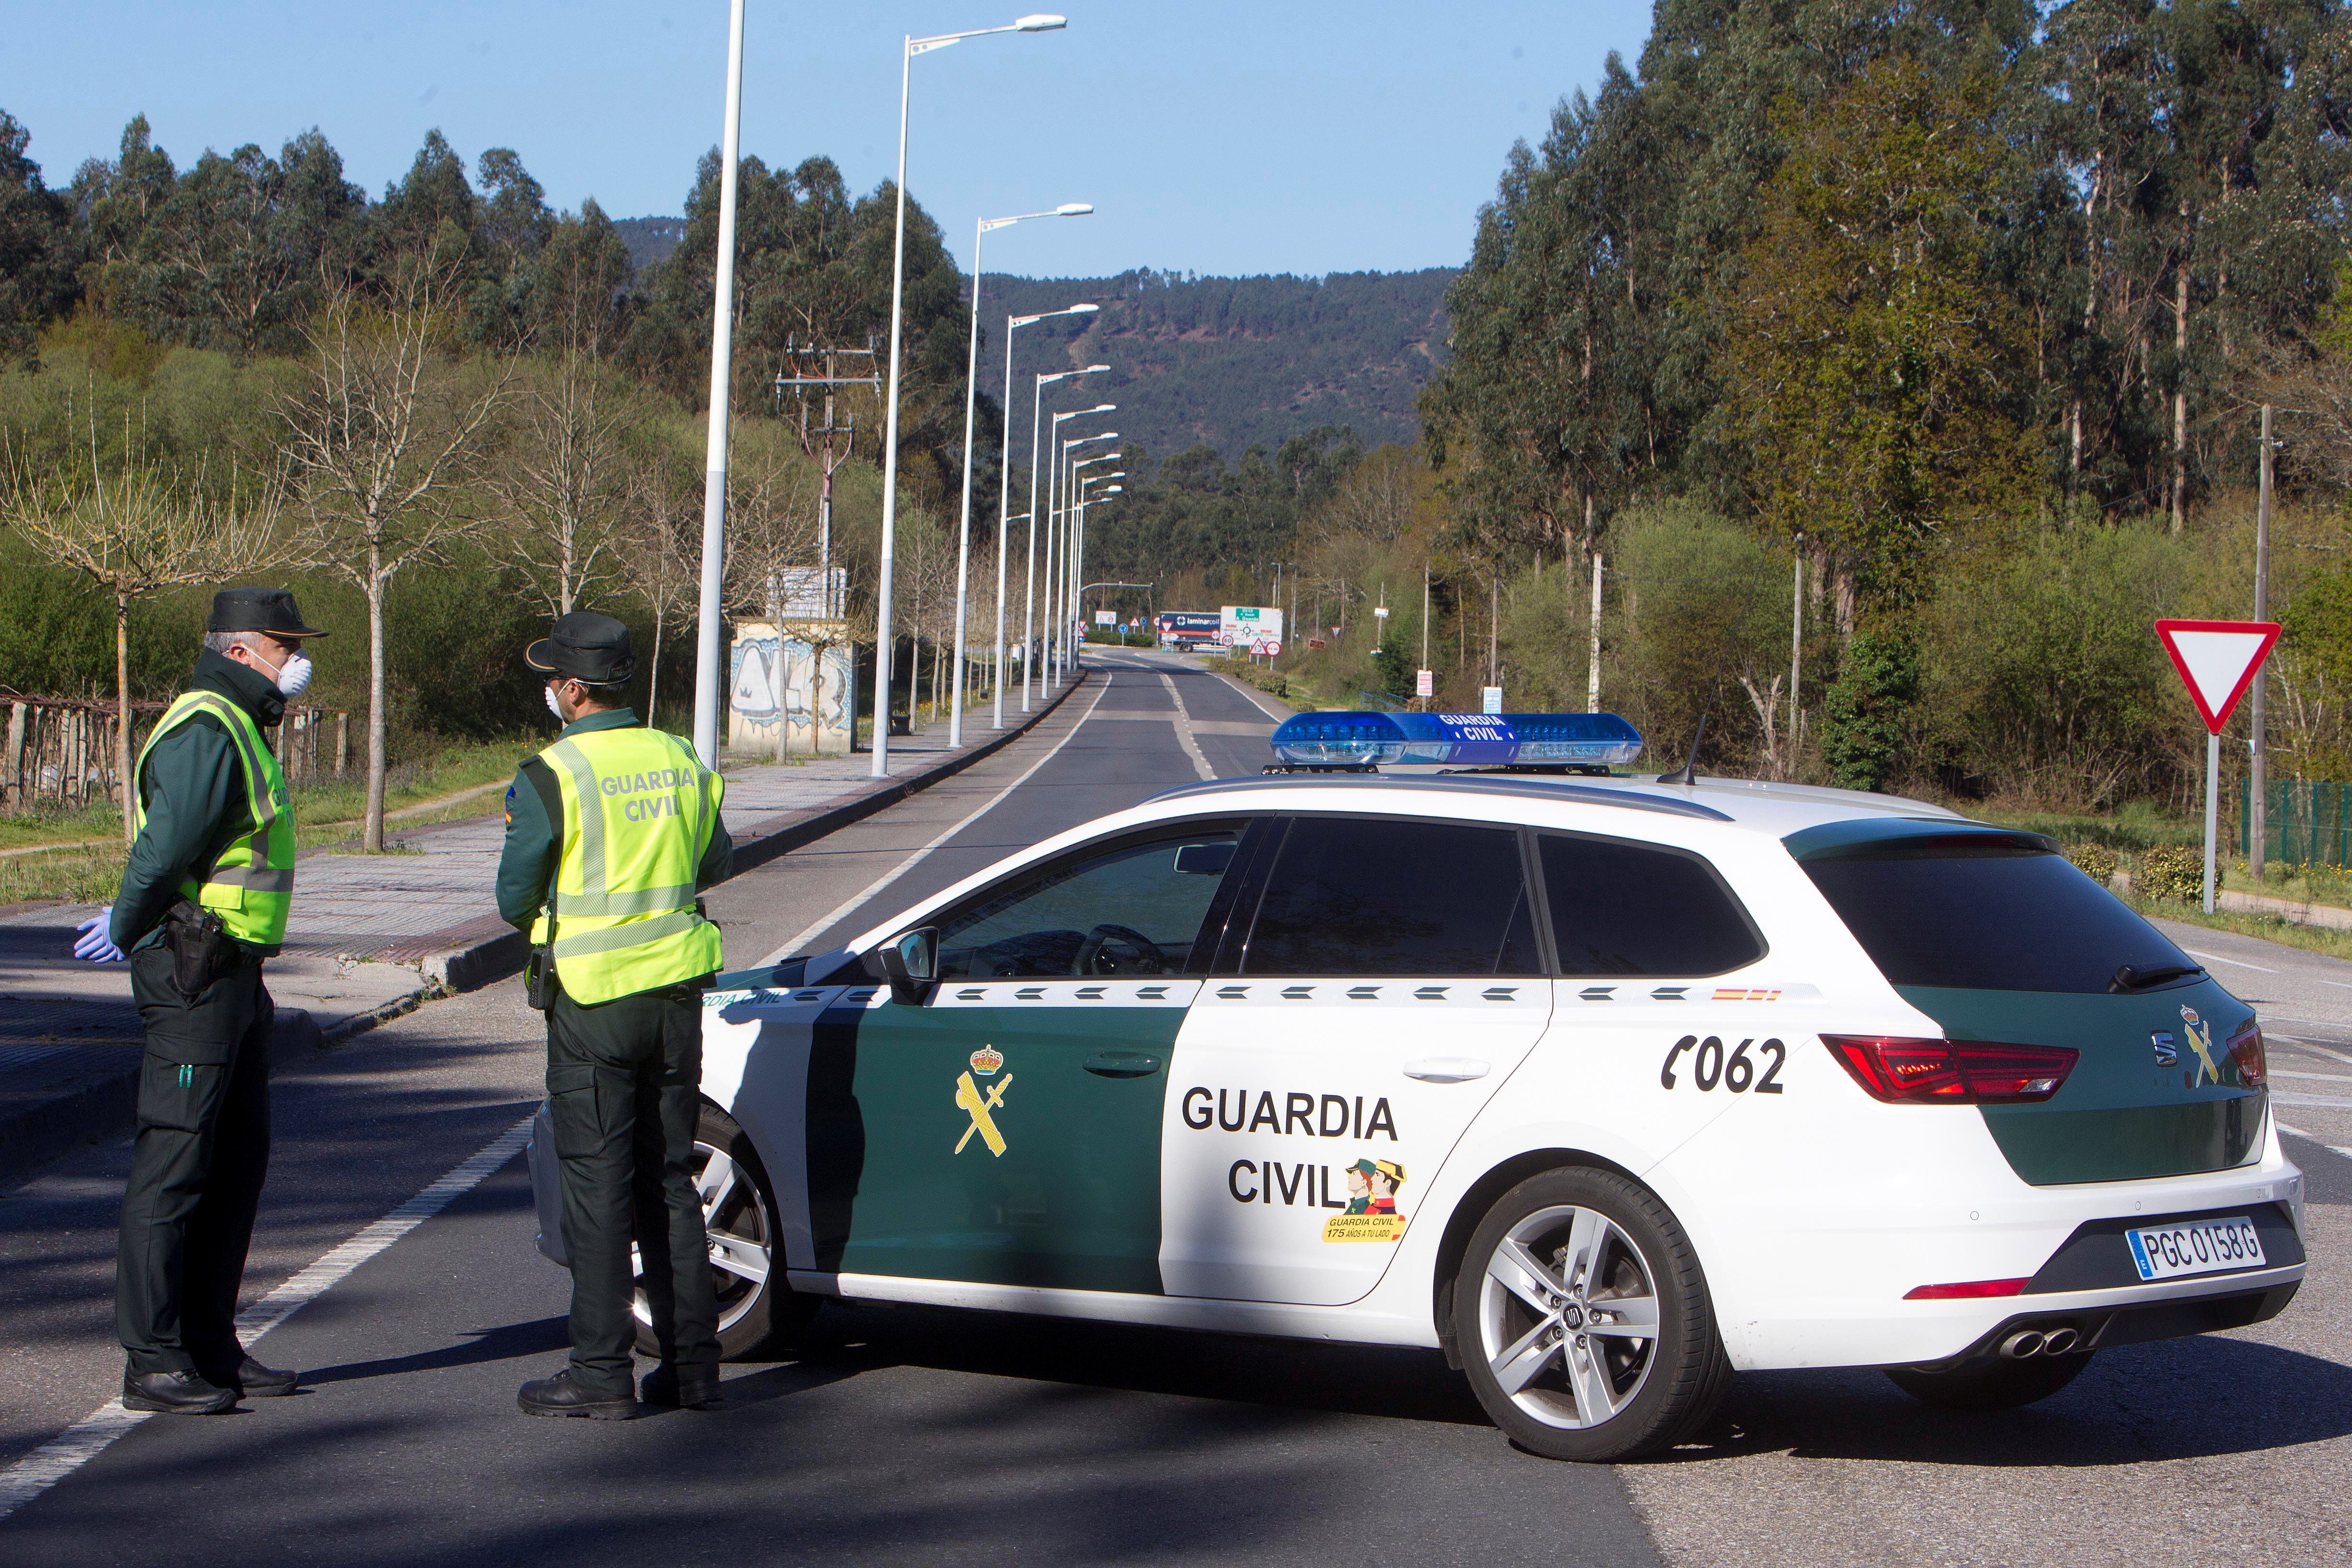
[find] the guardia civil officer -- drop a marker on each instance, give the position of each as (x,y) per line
(203,903)
(611,833)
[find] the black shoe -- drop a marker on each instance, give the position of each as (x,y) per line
(175,1393)
(664,1390)
(251,1380)
(559,1395)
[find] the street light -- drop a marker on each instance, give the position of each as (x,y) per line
(1055,449)
(1057,519)
(1038,23)
(1029,599)
(1078,553)
(971,403)
(1074,536)
(723,351)
(1005,490)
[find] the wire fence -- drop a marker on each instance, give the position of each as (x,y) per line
(2307,823)
(57,753)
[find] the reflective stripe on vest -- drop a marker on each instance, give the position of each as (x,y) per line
(639,809)
(251,885)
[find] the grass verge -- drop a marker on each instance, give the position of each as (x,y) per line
(327,813)
(2270,928)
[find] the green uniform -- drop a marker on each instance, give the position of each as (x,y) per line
(214,826)
(621,822)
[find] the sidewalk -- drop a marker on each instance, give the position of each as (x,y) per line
(373,936)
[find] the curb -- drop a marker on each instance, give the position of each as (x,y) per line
(106,1103)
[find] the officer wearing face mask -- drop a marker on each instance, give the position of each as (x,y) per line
(204,902)
(611,833)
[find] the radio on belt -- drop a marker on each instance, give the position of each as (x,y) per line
(1365,740)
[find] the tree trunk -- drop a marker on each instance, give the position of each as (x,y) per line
(2180,388)
(371,840)
(122,717)
(653,683)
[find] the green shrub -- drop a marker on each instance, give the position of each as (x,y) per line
(2174,872)
(2097,861)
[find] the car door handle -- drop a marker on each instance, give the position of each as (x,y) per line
(1122,1064)
(1446,1069)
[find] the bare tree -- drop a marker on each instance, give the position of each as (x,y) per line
(562,484)
(385,431)
(771,536)
(655,551)
(142,531)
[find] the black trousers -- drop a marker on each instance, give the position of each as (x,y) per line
(625,1090)
(203,1152)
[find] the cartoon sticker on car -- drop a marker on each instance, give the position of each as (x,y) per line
(1372,1212)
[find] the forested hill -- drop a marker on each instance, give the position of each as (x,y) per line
(1235,361)
(1228,361)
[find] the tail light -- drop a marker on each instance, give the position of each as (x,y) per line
(1951,1072)
(2246,1051)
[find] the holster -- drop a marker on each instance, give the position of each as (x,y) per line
(539,986)
(202,949)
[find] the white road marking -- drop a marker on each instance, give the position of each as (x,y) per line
(2317,1076)
(2337,983)
(2317,1049)
(2313,1101)
(2217,958)
(53,1461)
(859,900)
(2299,1132)
(1184,728)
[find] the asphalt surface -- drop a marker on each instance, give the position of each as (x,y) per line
(904,1435)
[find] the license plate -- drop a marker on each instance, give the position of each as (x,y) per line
(2195,1246)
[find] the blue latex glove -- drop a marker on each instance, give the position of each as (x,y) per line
(91,941)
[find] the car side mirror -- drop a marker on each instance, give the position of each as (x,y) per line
(909,963)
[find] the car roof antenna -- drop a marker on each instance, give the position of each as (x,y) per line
(1688,774)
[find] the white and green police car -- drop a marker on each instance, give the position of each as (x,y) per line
(1604,1089)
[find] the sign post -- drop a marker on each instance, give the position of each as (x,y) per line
(2217,661)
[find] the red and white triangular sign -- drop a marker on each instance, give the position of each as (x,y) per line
(2217,660)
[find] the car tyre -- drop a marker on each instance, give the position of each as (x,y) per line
(759,1319)
(1995,1385)
(1557,1283)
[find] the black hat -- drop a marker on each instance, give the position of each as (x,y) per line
(586,646)
(267,610)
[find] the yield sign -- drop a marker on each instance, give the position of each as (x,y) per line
(2217,660)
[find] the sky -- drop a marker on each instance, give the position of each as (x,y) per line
(1213,136)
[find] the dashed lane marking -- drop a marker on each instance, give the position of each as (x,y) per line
(53,1461)
(1184,728)
(2217,958)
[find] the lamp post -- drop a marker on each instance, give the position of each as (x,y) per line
(1055,485)
(971,405)
(1004,491)
(1057,602)
(1077,553)
(1040,23)
(706,651)
(1029,601)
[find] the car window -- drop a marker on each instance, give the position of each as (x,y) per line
(1375,896)
(1135,909)
(1987,914)
(1620,907)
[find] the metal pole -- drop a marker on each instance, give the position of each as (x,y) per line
(1052,583)
(1796,648)
(963,522)
(1029,573)
(2212,810)
(890,447)
(1003,520)
(2259,777)
(708,653)
(1592,658)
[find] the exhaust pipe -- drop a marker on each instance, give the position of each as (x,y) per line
(2059,1341)
(2023,1343)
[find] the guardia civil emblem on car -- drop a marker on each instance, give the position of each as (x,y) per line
(1604,1088)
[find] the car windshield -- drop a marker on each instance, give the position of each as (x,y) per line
(1987,914)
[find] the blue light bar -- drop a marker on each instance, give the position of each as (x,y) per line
(1490,740)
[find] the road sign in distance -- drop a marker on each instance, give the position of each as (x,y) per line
(1424,683)
(2217,661)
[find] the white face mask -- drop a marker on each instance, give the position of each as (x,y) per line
(294,674)
(552,708)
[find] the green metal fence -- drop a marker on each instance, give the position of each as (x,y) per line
(2308,824)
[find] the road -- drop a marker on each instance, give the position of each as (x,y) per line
(904,1435)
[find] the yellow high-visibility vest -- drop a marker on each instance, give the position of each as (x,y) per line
(639,809)
(251,885)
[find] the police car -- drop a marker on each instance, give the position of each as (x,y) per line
(1604,1088)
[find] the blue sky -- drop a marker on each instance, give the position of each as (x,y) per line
(1213,136)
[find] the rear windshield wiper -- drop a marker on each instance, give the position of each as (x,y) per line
(2129,979)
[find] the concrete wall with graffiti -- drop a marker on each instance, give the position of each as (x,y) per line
(783,678)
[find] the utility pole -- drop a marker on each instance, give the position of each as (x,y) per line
(1593,658)
(805,370)
(1424,618)
(2258,783)
(708,653)
(1796,648)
